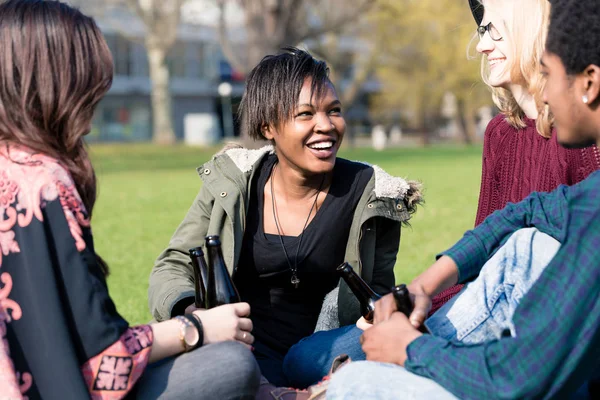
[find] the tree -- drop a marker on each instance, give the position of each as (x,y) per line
(424,46)
(161,20)
(272,24)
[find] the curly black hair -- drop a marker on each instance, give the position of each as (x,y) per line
(273,87)
(574,33)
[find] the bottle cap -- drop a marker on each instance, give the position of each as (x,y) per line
(213,240)
(345,267)
(196,251)
(400,288)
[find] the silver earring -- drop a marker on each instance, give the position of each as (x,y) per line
(585,99)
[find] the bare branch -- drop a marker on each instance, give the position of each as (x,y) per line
(225,42)
(337,24)
(286,21)
(136,8)
(363,71)
(173,17)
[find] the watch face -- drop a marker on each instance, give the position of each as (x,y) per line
(191,336)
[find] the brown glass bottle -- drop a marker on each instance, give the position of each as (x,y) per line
(365,295)
(200,276)
(219,287)
(402,298)
(404,304)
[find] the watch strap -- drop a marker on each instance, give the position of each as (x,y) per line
(195,320)
(184,324)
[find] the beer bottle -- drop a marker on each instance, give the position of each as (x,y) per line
(365,295)
(219,287)
(200,278)
(402,298)
(404,304)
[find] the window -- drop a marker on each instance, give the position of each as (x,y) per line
(139,60)
(119,47)
(122,59)
(194,67)
(176,60)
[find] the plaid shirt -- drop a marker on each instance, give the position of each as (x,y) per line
(557,347)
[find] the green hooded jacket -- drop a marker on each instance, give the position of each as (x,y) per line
(220,208)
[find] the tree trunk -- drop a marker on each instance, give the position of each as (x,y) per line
(161,97)
(424,121)
(466,121)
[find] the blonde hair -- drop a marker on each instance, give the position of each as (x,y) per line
(527,30)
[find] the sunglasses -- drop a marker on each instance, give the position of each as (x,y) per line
(491,29)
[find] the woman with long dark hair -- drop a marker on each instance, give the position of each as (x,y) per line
(60,334)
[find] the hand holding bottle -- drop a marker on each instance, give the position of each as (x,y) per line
(191,308)
(421,305)
(416,307)
(227,322)
(384,308)
(387,342)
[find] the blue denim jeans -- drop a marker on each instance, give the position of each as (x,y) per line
(380,381)
(309,360)
(482,311)
(484,308)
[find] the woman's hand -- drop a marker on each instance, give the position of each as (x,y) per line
(191,308)
(227,322)
(363,324)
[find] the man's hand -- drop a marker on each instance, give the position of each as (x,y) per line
(388,340)
(384,308)
(421,304)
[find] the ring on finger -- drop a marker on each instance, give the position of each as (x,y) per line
(244,336)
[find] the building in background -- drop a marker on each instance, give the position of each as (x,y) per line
(196,65)
(197,68)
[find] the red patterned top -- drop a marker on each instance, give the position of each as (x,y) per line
(60,333)
(517,162)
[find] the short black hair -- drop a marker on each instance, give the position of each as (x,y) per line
(273,87)
(574,33)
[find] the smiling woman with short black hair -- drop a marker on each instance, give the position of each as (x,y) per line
(288,214)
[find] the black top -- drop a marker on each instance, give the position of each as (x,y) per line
(59,326)
(281,313)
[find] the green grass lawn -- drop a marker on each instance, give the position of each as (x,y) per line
(144,192)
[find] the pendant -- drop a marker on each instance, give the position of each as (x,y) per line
(295,281)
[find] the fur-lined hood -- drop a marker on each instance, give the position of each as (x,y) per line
(386,185)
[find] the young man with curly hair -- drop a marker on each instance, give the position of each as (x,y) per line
(528,323)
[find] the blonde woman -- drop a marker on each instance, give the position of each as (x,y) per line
(520,153)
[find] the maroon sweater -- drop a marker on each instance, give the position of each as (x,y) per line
(517,162)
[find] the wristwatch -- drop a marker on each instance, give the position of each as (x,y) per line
(189,332)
